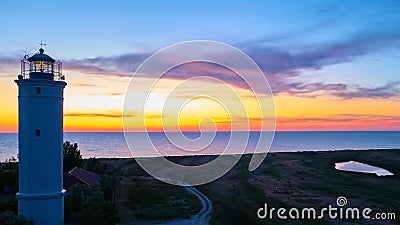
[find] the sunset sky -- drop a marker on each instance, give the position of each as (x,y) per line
(331,65)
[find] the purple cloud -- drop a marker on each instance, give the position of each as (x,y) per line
(343,91)
(279,65)
(275,60)
(120,65)
(389,90)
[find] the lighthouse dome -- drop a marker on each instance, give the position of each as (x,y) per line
(41,57)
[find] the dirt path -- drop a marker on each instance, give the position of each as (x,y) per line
(201,218)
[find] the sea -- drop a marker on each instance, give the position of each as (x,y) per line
(114,145)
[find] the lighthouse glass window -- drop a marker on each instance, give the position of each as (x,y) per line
(41,66)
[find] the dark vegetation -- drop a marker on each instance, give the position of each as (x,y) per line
(71,156)
(8,189)
(92,204)
(10,218)
(9,176)
(129,195)
(86,205)
(148,199)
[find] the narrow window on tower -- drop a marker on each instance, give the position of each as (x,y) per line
(37,132)
(38,90)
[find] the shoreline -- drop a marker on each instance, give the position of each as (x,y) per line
(246,154)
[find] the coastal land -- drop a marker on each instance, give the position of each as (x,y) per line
(287,180)
(284,180)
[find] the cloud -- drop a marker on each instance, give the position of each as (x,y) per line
(9,61)
(8,66)
(276,60)
(119,65)
(342,118)
(109,94)
(85,85)
(311,89)
(154,116)
(108,115)
(328,118)
(340,90)
(280,64)
(391,89)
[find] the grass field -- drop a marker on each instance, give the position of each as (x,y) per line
(298,179)
(301,180)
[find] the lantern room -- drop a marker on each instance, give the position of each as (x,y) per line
(41,66)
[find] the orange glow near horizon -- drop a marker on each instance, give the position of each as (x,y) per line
(94,104)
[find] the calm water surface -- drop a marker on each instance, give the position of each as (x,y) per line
(113,144)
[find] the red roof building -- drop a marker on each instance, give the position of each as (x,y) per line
(79,175)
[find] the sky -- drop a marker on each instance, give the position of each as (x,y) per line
(331,65)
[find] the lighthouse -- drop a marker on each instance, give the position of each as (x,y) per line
(40,137)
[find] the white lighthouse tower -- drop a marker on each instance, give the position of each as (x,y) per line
(40,137)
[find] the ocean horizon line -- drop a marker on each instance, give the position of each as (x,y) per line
(278,131)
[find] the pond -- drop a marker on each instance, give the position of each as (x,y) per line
(361,168)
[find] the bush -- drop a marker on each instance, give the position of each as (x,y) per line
(90,202)
(111,177)
(111,182)
(9,176)
(91,164)
(94,203)
(9,204)
(73,201)
(10,218)
(97,211)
